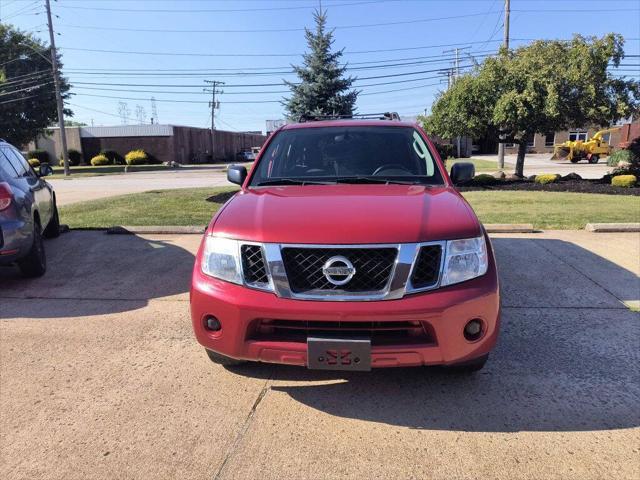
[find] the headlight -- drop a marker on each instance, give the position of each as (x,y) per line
(465,259)
(221,259)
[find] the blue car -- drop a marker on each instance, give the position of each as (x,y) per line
(28,212)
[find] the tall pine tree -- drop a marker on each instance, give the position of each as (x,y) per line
(323,90)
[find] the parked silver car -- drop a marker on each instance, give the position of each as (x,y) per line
(28,212)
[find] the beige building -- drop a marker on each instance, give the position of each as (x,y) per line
(544,143)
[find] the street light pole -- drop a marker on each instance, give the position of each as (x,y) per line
(56,83)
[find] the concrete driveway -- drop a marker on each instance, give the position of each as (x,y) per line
(79,189)
(536,163)
(100,377)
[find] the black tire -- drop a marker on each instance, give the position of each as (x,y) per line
(594,159)
(34,264)
(53,229)
(575,160)
(223,360)
(470,366)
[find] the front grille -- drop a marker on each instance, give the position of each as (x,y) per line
(380,333)
(427,267)
(253,265)
(304,268)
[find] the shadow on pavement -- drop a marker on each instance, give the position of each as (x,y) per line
(566,360)
(91,273)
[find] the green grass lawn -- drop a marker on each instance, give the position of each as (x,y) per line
(157,207)
(91,171)
(549,210)
(553,210)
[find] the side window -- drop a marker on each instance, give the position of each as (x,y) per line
(8,163)
(22,166)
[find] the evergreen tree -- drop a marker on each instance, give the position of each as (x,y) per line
(323,90)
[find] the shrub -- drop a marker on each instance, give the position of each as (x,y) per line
(113,157)
(547,178)
(75,158)
(41,155)
(484,179)
(445,151)
(620,156)
(34,162)
(136,157)
(100,160)
(624,181)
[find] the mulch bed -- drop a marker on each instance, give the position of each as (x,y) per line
(575,186)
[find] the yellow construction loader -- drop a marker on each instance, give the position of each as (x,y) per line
(592,149)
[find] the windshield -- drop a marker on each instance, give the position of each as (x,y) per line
(351,154)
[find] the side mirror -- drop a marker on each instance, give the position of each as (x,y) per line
(462,172)
(45,170)
(236,174)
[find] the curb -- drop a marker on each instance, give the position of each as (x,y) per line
(509,228)
(180,230)
(612,227)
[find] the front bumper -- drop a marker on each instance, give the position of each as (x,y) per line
(443,312)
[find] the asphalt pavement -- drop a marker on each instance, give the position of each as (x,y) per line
(539,163)
(79,189)
(101,377)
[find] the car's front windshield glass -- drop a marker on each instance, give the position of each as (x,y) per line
(347,154)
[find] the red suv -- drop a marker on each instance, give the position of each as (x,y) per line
(347,248)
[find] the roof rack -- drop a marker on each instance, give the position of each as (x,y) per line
(355,116)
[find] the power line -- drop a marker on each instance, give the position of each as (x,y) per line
(97,111)
(219,69)
(347,52)
(216,10)
(265,54)
(29,88)
(375,77)
(267,30)
(205,73)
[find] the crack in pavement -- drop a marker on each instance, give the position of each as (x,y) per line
(581,273)
(245,426)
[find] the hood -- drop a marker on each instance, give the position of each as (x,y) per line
(347,214)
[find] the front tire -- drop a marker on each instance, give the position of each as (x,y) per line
(34,264)
(223,360)
(470,366)
(594,159)
(53,229)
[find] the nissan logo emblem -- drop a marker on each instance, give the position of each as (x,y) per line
(338,270)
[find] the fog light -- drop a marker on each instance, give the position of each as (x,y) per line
(473,330)
(212,323)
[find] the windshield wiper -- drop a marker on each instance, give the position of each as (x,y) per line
(292,181)
(386,181)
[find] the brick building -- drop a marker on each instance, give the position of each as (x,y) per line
(164,142)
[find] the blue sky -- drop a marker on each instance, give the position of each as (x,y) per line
(232,40)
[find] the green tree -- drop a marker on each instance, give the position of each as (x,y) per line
(543,87)
(27,95)
(73,123)
(323,88)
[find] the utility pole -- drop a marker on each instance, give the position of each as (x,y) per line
(456,74)
(213,104)
(56,83)
(507,11)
